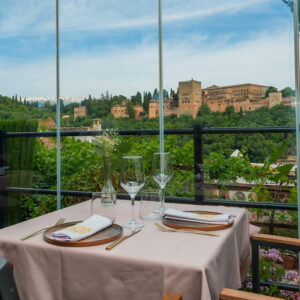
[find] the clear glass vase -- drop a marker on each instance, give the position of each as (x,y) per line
(107,209)
(108,192)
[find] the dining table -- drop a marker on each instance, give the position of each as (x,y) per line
(145,266)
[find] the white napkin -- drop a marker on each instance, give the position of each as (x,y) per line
(82,230)
(171,213)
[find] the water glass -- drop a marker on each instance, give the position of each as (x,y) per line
(102,204)
(150,204)
(162,172)
(132,181)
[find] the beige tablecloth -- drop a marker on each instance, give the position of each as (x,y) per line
(146,266)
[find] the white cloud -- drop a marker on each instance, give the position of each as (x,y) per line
(33,17)
(266,59)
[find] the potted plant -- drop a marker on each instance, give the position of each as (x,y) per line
(289,259)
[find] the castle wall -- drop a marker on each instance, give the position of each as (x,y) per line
(119,111)
(79,112)
(275,99)
(289,101)
(169,109)
(153,109)
(190,97)
(238,104)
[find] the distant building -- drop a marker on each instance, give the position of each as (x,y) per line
(120,110)
(243,97)
(246,96)
(275,99)
(289,101)
(79,112)
(138,109)
(153,109)
(247,90)
(96,124)
(189,97)
(170,108)
(189,101)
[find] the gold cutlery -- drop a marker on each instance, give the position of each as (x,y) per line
(121,239)
(165,229)
(60,221)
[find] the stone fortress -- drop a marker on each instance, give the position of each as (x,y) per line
(243,97)
(189,101)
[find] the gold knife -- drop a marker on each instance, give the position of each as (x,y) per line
(121,239)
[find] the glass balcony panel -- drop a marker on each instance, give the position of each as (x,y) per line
(27,75)
(108,68)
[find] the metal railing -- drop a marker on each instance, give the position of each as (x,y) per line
(197,132)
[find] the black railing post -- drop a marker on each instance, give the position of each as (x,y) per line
(3,180)
(255,265)
(198,164)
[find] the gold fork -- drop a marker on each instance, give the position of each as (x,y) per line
(60,221)
(162,228)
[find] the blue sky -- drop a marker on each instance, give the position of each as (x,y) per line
(112,45)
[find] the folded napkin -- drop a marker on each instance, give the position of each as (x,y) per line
(171,213)
(82,230)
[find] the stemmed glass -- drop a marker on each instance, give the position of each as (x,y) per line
(162,172)
(132,180)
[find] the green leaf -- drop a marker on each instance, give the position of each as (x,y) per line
(99,151)
(124,147)
(284,170)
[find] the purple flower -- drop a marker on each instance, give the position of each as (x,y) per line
(272,254)
(291,275)
(249,285)
(264,288)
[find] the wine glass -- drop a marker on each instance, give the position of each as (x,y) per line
(162,172)
(132,180)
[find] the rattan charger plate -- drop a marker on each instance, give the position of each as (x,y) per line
(179,224)
(104,236)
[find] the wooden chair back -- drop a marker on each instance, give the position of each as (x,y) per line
(172,297)
(229,294)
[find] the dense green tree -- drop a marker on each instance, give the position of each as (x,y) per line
(147,98)
(229,110)
(204,110)
(155,94)
(287,92)
(174,95)
(137,99)
(130,110)
(69,109)
(165,94)
(271,89)
(48,105)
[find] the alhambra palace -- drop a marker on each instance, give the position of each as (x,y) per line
(243,97)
